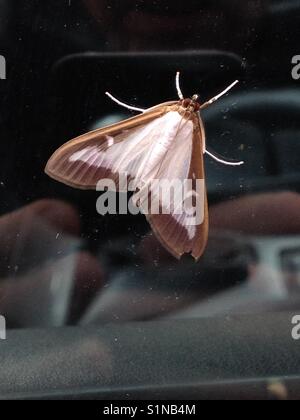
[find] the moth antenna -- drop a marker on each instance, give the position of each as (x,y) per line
(131,108)
(224,162)
(179,91)
(216,98)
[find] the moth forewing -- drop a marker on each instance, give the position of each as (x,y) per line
(85,172)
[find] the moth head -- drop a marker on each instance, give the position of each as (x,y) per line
(192,103)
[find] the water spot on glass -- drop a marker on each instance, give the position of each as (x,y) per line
(226,133)
(225,110)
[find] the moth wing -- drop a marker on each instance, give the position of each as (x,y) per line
(180,226)
(106,152)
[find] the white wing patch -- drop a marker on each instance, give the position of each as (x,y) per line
(137,152)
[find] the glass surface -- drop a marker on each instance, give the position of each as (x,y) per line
(61,263)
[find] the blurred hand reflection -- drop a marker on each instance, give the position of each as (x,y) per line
(46,279)
(43,271)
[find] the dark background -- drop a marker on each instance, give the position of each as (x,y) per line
(63,55)
(221,327)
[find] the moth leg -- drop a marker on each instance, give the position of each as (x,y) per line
(223,161)
(202,131)
(215,98)
(131,108)
(179,91)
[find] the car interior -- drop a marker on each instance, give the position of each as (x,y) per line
(95,307)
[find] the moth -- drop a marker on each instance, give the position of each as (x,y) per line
(165,142)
